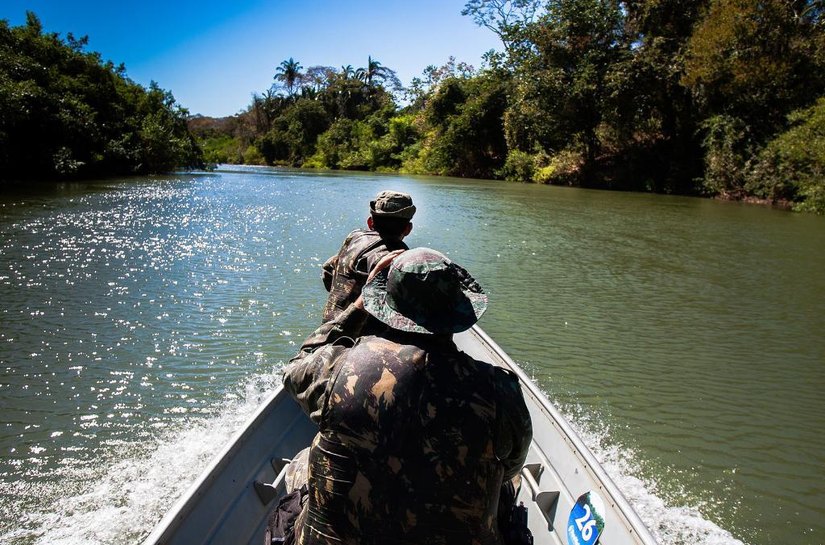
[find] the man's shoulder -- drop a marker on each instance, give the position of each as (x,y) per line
(353,235)
(361,238)
(355,244)
(387,350)
(503,379)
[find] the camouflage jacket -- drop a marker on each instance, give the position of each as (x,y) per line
(345,273)
(416,438)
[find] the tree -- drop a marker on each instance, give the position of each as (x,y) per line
(574,44)
(505,18)
(318,78)
(294,133)
(748,65)
(462,123)
(289,73)
(374,74)
(66,113)
(432,76)
(756,60)
(653,133)
(792,166)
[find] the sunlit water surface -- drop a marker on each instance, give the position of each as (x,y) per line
(143,320)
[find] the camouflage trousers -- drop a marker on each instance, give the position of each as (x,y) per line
(297,472)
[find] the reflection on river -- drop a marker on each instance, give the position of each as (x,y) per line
(142,320)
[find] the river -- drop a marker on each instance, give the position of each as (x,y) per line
(143,320)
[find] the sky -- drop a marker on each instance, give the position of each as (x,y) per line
(213,54)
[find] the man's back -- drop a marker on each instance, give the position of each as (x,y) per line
(346,272)
(416,440)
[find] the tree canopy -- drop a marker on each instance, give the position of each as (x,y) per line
(66,113)
(697,97)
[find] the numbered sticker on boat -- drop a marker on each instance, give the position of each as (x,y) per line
(586,520)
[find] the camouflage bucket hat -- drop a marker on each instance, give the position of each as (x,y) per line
(422,291)
(392,204)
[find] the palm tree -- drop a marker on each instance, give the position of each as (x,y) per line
(348,71)
(289,72)
(374,72)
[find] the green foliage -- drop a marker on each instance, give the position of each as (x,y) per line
(289,74)
(649,135)
(792,166)
(727,151)
(754,60)
(65,113)
(294,133)
(576,44)
(340,147)
(463,121)
(748,65)
(222,148)
(252,156)
(164,136)
(504,17)
(559,169)
(374,143)
(520,166)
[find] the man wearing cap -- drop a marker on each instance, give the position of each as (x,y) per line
(417,439)
(345,273)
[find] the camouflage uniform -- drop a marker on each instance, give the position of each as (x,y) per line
(345,273)
(416,438)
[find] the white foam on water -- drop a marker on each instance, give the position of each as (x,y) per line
(670,525)
(129,498)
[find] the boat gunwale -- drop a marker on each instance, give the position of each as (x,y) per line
(578,446)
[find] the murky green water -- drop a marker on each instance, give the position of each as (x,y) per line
(142,320)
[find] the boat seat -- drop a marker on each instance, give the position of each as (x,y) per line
(546,500)
(269,491)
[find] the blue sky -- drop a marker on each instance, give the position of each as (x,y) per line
(213,54)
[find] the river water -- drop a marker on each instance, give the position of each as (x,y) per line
(143,320)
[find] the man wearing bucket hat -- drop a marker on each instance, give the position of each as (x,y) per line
(417,439)
(345,273)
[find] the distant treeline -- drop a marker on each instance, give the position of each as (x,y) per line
(712,97)
(64,113)
(720,98)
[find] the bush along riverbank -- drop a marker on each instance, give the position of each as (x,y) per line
(67,114)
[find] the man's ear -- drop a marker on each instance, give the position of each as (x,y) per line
(407,229)
(370,223)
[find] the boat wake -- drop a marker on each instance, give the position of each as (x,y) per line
(671,525)
(124,501)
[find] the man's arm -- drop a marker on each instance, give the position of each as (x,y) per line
(307,374)
(514,426)
(328,269)
(329,266)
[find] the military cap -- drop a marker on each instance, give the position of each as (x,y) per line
(392,204)
(422,291)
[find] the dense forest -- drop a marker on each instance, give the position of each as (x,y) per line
(720,98)
(64,113)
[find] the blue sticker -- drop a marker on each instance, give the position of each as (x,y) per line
(586,520)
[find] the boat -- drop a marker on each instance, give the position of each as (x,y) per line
(568,496)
